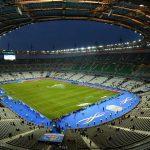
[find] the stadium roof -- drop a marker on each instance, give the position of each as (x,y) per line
(131,14)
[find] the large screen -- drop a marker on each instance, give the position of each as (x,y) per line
(10,57)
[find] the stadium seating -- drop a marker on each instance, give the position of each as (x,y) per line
(105,136)
(131,131)
(130,84)
(99,80)
(131,64)
(114,82)
(30,141)
(77,76)
(86,78)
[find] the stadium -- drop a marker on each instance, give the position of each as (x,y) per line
(85,98)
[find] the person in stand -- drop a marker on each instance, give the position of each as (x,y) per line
(90,142)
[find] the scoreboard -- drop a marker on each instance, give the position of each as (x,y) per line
(9,55)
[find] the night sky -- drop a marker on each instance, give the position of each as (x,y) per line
(65,34)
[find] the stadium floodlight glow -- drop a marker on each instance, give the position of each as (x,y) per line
(139,40)
(35,1)
(41,1)
(141,5)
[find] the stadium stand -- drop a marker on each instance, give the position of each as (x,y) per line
(123,66)
(122,133)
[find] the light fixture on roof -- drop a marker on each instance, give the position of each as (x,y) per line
(110,13)
(19,11)
(139,40)
(101,16)
(141,5)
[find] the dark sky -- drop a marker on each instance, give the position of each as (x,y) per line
(65,34)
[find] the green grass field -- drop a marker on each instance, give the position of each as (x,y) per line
(55,98)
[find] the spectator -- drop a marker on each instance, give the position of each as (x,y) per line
(90,143)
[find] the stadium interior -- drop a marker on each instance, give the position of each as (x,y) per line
(121,66)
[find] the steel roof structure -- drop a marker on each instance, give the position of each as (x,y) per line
(131,14)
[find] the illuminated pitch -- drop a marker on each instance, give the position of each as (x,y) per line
(54,98)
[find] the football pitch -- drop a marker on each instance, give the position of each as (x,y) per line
(54,98)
